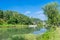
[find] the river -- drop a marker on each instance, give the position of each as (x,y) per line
(41,31)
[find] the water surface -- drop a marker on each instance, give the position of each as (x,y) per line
(41,31)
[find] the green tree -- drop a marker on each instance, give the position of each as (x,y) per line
(13,17)
(1,14)
(7,14)
(52,12)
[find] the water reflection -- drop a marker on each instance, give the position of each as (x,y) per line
(41,31)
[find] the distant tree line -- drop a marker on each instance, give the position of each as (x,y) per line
(12,17)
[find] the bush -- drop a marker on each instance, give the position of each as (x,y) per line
(2,21)
(23,37)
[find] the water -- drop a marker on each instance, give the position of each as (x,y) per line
(41,31)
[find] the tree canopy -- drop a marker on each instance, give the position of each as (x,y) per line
(52,12)
(13,17)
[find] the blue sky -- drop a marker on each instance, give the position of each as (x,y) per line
(31,8)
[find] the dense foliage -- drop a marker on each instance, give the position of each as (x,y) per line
(52,12)
(12,17)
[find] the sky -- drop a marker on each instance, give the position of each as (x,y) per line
(31,8)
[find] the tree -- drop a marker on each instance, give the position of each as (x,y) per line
(1,14)
(13,17)
(7,14)
(52,12)
(2,21)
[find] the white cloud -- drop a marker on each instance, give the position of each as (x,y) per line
(27,12)
(36,14)
(39,12)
